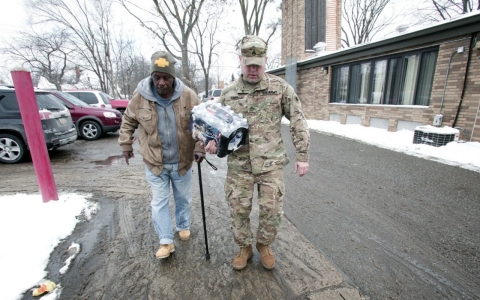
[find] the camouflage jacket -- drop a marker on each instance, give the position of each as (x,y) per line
(271,99)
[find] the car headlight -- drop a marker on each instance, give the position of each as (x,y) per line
(108,114)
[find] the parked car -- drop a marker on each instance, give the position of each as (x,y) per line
(92,97)
(91,122)
(58,127)
(100,99)
(119,104)
(213,95)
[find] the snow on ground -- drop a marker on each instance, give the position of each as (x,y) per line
(30,230)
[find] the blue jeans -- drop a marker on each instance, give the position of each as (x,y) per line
(182,195)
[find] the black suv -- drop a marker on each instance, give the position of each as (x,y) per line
(57,124)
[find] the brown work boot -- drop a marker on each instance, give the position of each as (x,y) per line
(184,234)
(240,261)
(165,250)
(268,260)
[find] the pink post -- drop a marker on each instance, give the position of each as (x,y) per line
(33,128)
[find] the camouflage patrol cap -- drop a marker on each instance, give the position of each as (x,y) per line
(254,50)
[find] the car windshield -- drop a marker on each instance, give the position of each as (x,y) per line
(106,97)
(49,101)
(72,99)
(216,93)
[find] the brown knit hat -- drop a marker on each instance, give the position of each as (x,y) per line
(162,61)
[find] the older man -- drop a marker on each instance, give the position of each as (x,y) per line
(160,109)
(263,99)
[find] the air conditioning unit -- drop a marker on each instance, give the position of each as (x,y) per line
(435,136)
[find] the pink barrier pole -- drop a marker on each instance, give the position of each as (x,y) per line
(27,102)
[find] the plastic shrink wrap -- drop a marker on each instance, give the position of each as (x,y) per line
(213,121)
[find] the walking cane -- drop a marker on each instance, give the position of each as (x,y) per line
(207,255)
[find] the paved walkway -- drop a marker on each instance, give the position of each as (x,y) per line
(301,271)
(117,258)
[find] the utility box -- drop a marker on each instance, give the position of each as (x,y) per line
(435,136)
(437,120)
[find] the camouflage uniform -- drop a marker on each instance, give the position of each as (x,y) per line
(262,159)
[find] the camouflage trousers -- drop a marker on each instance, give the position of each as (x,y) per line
(239,192)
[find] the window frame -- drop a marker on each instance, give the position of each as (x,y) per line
(395,71)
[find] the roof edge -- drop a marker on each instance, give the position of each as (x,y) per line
(461,26)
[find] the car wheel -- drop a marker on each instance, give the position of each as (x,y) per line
(12,149)
(90,130)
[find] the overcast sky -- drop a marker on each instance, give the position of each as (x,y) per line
(12,16)
(14,19)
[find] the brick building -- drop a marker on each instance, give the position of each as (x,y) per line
(420,77)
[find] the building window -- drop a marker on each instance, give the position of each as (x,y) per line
(315,22)
(378,81)
(404,79)
(339,85)
(359,83)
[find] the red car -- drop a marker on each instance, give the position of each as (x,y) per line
(119,104)
(91,122)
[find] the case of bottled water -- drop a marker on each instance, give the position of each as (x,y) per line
(213,121)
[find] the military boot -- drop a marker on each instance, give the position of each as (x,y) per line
(240,261)
(268,260)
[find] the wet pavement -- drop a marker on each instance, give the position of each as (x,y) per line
(365,223)
(117,258)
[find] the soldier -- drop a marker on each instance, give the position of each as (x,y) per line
(263,99)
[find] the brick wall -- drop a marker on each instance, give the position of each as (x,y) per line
(469,116)
(334,24)
(313,88)
(293,28)
(313,85)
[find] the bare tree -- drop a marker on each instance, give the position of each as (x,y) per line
(46,54)
(5,77)
(438,10)
(362,20)
(204,41)
(178,18)
(274,61)
(197,78)
(253,14)
(131,68)
(88,22)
